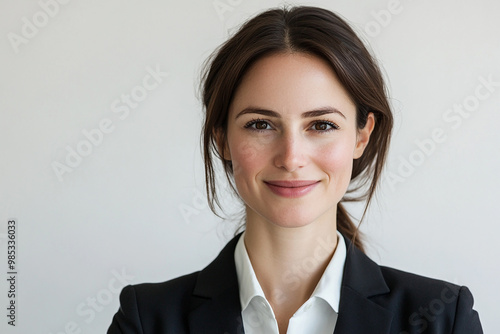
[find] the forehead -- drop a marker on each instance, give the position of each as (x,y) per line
(289,83)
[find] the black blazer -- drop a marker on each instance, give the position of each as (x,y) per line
(374,299)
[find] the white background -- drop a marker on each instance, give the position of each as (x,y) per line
(133,205)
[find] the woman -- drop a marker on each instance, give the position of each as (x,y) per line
(297,113)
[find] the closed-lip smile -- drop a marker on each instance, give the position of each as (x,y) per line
(291,188)
(291,183)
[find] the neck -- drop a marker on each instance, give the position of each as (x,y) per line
(289,262)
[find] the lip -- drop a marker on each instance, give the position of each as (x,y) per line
(292,188)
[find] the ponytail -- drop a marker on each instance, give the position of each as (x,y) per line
(346,226)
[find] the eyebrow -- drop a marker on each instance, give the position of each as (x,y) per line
(270,113)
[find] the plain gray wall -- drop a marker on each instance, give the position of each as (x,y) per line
(132,208)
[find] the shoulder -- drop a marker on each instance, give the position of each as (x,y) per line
(424,303)
(414,303)
(154,298)
(155,307)
(402,281)
(166,307)
(171,291)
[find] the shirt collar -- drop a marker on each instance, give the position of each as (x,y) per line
(247,281)
(328,287)
(330,283)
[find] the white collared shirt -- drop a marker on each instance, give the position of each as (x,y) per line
(317,315)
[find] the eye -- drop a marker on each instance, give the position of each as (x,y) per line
(324,126)
(258,124)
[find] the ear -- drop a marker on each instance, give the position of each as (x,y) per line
(222,145)
(363,136)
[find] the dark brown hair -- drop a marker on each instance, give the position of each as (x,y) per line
(313,31)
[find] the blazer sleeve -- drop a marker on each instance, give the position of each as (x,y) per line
(126,320)
(466,319)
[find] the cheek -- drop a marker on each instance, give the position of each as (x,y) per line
(247,158)
(336,159)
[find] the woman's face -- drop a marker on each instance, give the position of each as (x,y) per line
(292,138)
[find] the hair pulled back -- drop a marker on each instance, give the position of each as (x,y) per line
(313,31)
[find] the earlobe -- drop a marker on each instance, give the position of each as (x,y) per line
(363,136)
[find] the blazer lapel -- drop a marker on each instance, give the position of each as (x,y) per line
(215,302)
(362,280)
(216,309)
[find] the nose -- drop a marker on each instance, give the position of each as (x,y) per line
(291,152)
